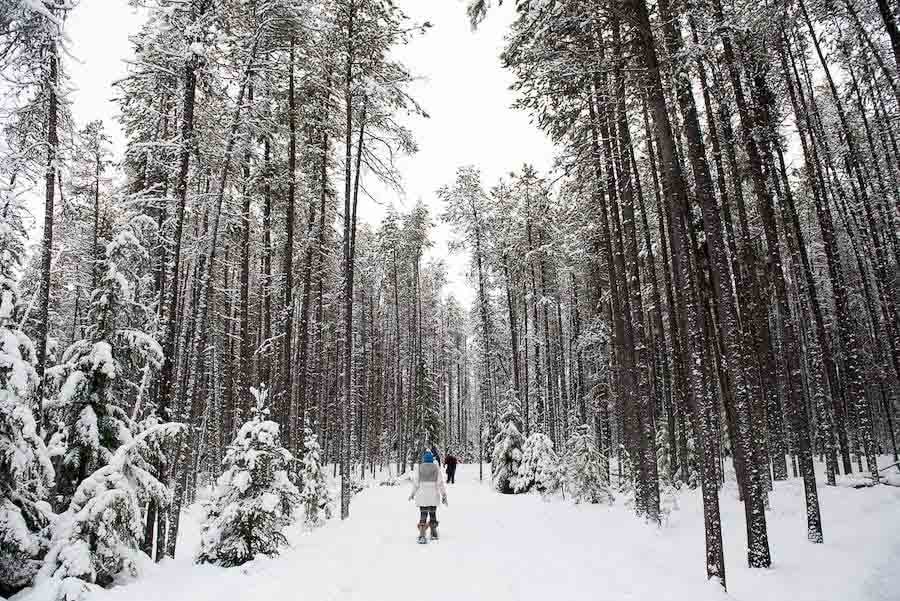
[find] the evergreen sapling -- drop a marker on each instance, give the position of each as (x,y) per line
(254,499)
(584,469)
(507,454)
(315,495)
(539,469)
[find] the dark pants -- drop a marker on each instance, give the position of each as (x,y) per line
(426,513)
(451,474)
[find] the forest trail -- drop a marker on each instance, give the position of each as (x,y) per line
(522,548)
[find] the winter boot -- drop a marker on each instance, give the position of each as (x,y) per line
(422,539)
(434,532)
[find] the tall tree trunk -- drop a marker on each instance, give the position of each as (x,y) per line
(833,261)
(186,145)
(674,183)
(244,346)
(646,434)
(200,323)
(349,231)
(52,140)
(854,377)
(678,398)
(266,374)
(95,248)
(890,24)
(513,332)
(824,343)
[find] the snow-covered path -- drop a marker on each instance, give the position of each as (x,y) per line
(496,548)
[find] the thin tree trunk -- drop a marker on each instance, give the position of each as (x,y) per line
(43,317)
(349,231)
(167,374)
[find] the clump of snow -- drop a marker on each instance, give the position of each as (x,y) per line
(197,49)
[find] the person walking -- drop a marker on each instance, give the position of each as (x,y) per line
(450,462)
(428,490)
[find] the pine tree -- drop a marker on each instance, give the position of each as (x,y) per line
(584,471)
(255,499)
(25,469)
(96,541)
(506,456)
(539,469)
(316,497)
(467,208)
(714,327)
(98,374)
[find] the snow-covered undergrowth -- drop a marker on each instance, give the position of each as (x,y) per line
(523,547)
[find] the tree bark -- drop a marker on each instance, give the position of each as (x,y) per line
(43,317)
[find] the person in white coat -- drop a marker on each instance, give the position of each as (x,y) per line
(428,490)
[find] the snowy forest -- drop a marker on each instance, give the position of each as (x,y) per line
(690,317)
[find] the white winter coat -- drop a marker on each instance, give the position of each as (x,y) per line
(428,485)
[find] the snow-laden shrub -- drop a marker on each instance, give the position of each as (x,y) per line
(25,468)
(254,499)
(584,471)
(96,541)
(668,501)
(507,454)
(397,480)
(692,478)
(99,374)
(674,474)
(315,495)
(355,485)
(539,469)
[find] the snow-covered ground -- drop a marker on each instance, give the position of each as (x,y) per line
(522,548)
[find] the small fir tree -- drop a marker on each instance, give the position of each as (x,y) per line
(315,495)
(539,469)
(668,480)
(507,454)
(254,498)
(584,469)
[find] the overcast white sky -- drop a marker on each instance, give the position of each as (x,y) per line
(464,90)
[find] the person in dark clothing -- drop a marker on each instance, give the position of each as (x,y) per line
(450,462)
